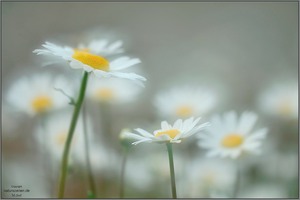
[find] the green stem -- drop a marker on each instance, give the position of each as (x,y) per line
(92,192)
(64,164)
(123,173)
(173,183)
(237,182)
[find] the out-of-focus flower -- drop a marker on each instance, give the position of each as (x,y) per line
(138,175)
(184,102)
(169,133)
(207,175)
(90,59)
(113,90)
(55,133)
(104,47)
(37,94)
(124,139)
(229,137)
(280,100)
(270,190)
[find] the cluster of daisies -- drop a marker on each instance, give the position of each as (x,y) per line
(227,135)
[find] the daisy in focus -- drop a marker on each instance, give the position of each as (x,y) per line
(229,137)
(95,58)
(185,102)
(280,100)
(113,90)
(168,133)
(36,94)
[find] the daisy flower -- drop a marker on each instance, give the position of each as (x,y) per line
(185,102)
(169,133)
(230,137)
(55,131)
(113,90)
(207,175)
(94,58)
(280,100)
(36,94)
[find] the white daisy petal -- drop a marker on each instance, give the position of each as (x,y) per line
(230,120)
(141,141)
(257,135)
(134,136)
(123,63)
(246,123)
(165,125)
(144,133)
(178,124)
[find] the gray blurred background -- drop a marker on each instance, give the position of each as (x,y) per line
(233,42)
(236,48)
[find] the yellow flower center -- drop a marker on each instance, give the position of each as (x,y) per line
(94,61)
(41,103)
(232,140)
(172,133)
(105,94)
(184,111)
(285,107)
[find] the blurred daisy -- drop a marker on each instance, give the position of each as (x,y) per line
(229,137)
(263,190)
(169,133)
(208,175)
(185,102)
(94,58)
(280,100)
(55,132)
(37,94)
(104,47)
(113,90)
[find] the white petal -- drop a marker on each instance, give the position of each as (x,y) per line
(178,124)
(257,135)
(114,46)
(130,76)
(165,125)
(230,120)
(144,140)
(134,136)
(246,122)
(144,133)
(123,63)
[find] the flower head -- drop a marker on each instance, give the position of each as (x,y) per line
(94,58)
(37,94)
(185,102)
(229,137)
(280,100)
(169,133)
(209,174)
(113,90)
(55,131)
